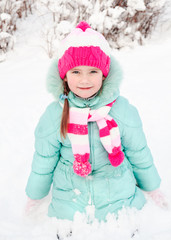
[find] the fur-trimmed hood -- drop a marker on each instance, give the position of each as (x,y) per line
(110,90)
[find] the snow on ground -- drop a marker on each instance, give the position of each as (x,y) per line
(23,98)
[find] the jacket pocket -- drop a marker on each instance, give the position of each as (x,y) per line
(114,188)
(121,187)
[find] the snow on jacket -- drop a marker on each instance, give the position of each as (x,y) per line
(108,188)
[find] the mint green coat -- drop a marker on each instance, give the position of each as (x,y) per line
(108,188)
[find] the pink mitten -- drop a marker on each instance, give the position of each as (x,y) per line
(158,197)
(31,205)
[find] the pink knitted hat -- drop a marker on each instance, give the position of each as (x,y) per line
(84,46)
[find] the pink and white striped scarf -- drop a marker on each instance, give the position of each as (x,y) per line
(78,135)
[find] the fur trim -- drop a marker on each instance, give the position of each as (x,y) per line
(112,82)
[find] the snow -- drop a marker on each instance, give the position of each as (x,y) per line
(23,98)
(136,5)
(5,16)
(157,3)
(77,191)
(116,12)
(4,35)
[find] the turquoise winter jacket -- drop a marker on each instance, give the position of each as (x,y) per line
(108,188)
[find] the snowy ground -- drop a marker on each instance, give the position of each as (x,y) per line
(23,98)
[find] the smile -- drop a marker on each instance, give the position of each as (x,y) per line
(87,88)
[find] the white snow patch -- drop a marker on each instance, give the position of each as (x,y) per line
(136,5)
(5,16)
(77,191)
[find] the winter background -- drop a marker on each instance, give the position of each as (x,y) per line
(23,98)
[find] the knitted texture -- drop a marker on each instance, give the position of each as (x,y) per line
(83,25)
(84,56)
(78,135)
(84,46)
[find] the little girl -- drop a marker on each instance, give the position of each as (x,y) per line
(89,142)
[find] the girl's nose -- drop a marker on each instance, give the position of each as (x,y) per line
(84,78)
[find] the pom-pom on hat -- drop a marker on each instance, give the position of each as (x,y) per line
(84,47)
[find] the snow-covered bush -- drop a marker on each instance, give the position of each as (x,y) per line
(6,39)
(125,23)
(10,11)
(64,15)
(122,22)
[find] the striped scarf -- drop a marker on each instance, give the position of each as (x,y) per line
(78,135)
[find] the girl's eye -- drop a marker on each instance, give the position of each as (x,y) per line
(75,72)
(93,71)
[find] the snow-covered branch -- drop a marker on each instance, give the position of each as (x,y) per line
(122,22)
(10,11)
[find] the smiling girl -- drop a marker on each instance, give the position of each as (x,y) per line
(90,142)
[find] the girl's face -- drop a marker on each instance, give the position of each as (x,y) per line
(84,81)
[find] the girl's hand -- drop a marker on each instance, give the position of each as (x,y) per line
(32,205)
(159,198)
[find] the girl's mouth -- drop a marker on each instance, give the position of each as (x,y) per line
(87,88)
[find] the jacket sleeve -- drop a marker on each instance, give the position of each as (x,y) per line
(137,151)
(46,156)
